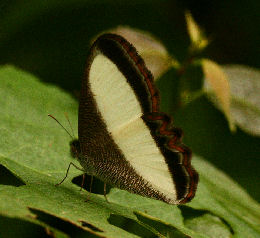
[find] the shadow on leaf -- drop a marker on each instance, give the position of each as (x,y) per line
(13,227)
(8,178)
(130,226)
(97,185)
(90,226)
(164,229)
(73,230)
(205,222)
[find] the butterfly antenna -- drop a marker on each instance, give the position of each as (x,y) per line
(67,117)
(61,126)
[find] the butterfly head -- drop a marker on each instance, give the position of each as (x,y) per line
(75,148)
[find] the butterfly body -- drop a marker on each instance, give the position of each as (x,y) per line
(124,139)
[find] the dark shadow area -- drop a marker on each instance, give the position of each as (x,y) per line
(13,228)
(62,225)
(97,185)
(225,22)
(190,213)
(90,226)
(163,229)
(53,44)
(130,226)
(7,178)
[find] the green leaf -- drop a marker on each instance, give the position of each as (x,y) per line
(237,89)
(217,82)
(245,98)
(34,156)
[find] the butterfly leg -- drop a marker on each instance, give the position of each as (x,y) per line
(68,172)
(105,192)
(83,181)
(90,188)
(91,182)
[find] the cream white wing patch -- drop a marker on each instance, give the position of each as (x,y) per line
(121,111)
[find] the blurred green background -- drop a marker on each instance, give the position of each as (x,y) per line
(51,39)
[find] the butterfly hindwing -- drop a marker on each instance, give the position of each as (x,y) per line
(119,126)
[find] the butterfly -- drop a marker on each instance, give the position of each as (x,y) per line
(124,138)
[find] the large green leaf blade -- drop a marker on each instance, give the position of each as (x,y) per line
(36,151)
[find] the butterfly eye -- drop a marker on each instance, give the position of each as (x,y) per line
(75,148)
